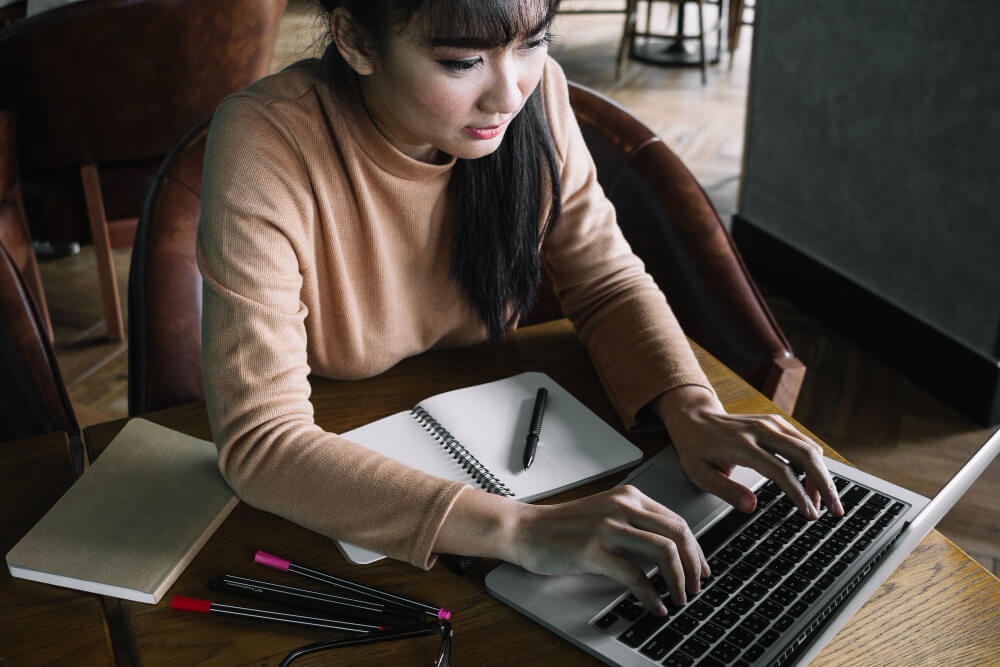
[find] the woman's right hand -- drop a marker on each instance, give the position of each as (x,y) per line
(608,534)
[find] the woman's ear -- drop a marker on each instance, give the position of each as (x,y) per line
(351,42)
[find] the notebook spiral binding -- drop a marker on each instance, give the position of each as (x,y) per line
(465,458)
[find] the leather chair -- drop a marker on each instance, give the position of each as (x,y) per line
(673,226)
(164,285)
(33,396)
(14,234)
(33,400)
(104,89)
(664,213)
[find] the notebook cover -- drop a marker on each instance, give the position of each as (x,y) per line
(133,521)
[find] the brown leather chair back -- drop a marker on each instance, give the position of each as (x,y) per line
(33,397)
(164,292)
(103,81)
(14,235)
(674,228)
(104,89)
(117,83)
(664,214)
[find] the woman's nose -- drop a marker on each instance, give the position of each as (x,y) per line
(504,94)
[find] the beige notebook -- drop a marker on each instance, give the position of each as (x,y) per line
(133,521)
(476,434)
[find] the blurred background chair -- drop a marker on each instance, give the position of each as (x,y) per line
(14,234)
(657,47)
(664,214)
(103,89)
(33,397)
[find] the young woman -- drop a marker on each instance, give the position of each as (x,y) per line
(405,193)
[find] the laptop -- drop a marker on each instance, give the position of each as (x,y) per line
(781,586)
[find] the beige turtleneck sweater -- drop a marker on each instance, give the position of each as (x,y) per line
(325,250)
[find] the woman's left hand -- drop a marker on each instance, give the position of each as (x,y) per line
(710,442)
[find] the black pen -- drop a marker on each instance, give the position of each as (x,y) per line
(535,428)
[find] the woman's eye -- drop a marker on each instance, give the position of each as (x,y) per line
(539,42)
(460,65)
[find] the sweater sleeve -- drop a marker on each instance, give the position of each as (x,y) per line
(621,315)
(256,200)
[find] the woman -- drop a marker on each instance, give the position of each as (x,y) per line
(405,193)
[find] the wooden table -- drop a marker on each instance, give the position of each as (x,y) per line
(39,624)
(939,608)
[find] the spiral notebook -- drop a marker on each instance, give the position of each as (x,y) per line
(477,434)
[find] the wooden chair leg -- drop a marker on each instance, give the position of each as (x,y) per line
(734,26)
(628,37)
(701,43)
(102,249)
(32,274)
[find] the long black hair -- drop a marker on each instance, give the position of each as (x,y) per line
(499,198)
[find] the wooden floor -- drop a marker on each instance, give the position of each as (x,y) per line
(869,412)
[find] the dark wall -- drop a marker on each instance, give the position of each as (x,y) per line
(873,148)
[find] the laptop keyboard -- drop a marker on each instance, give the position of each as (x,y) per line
(769,569)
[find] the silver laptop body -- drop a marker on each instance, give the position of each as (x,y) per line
(601,617)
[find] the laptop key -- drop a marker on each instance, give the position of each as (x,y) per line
(725,653)
(723,529)
(755,623)
(741,637)
(714,596)
(678,660)
(880,501)
(711,632)
(606,621)
(755,592)
(730,583)
(770,609)
(684,624)
(700,610)
(628,610)
(740,604)
(767,579)
(853,496)
(726,617)
(769,637)
(782,596)
(695,647)
(642,630)
(665,641)
(784,623)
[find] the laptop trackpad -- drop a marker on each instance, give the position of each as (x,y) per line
(662,479)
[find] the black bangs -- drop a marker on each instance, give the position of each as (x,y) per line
(484,23)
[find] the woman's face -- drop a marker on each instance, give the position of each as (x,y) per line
(451,96)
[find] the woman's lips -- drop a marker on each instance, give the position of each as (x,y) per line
(485,132)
